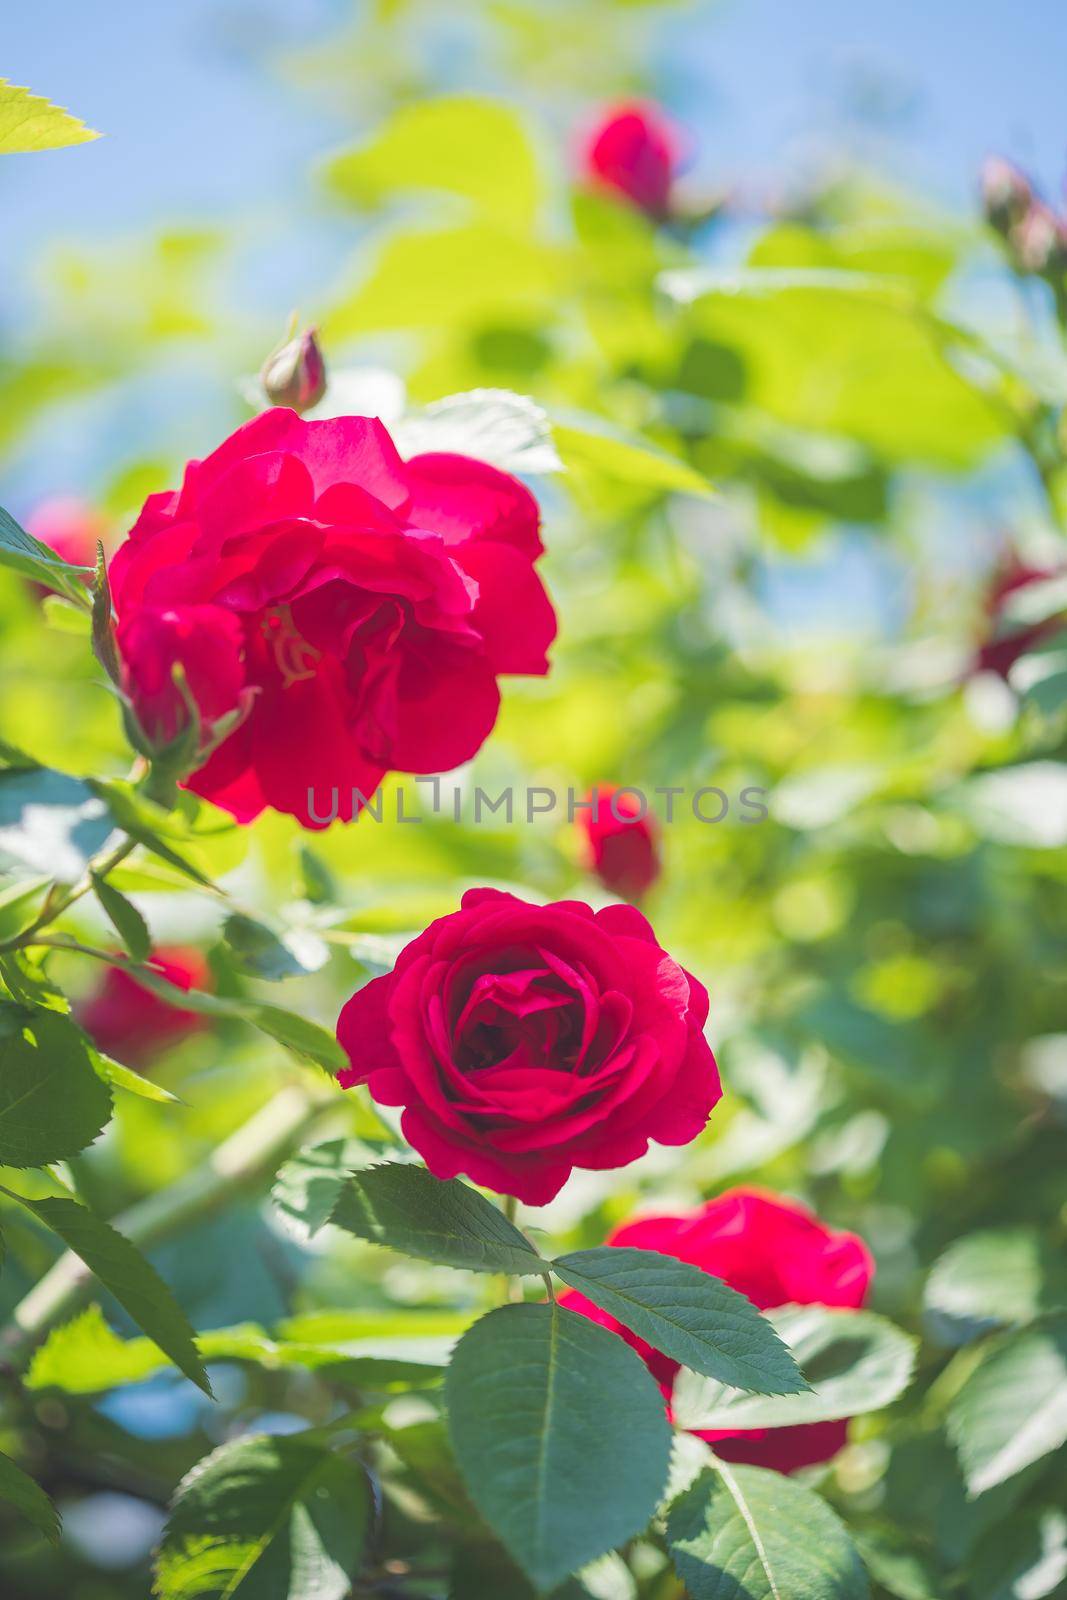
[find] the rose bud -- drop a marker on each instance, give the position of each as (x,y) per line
(1000,649)
(369,603)
(776,1253)
(1039,242)
(620,844)
(295,374)
(1006,194)
(182,673)
(635,150)
(72,529)
(524,1040)
(132,1023)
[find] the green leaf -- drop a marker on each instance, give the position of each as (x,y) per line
(408,1209)
(262,953)
(898,1564)
(743,1533)
(1012,1410)
(30,122)
(1024,1558)
(510,431)
(309,1185)
(125,918)
(459,144)
(850,353)
(297,1033)
(85,1356)
(121,1077)
(28,556)
(560,1434)
(993,1279)
(587,444)
(124,1271)
(18,1489)
(265,1516)
(51,822)
(52,1102)
(687,1314)
(855,1361)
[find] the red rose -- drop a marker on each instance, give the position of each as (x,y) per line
(635,150)
(207,642)
(999,652)
(377,602)
(776,1253)
(622,846)
(525,1040)
(130,1022)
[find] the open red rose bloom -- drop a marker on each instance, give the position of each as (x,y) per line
(363,605)
(774,1252)
(525,1040)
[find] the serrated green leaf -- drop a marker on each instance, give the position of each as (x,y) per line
(408,1209)
(510,431)
(463,145)
(52,1101)
(687,1314)
(123,1270)
(855,1361)
(992,1279)
(1012,1410)
(125,918)
(309,1185)
(560,1434)
(743,1533)
(18,1489)
(265,1516)
(30,122)
(28,556)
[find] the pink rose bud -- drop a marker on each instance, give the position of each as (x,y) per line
(132,1023)
(1039,242)
(294,375)
(774,1252)
(1006,193)
(621,846)
(635,150)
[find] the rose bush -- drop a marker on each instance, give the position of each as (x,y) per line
(524,1040)
(366,603)
(776,1253)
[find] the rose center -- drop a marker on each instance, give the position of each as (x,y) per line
(295,659)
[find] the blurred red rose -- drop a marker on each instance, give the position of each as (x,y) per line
(525,1040)
(130,1022)
(999,651)
(776,1253)
(621,846)
(72,528)
(377,601)
(635,150)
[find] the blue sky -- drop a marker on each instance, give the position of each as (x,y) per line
(196,122)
